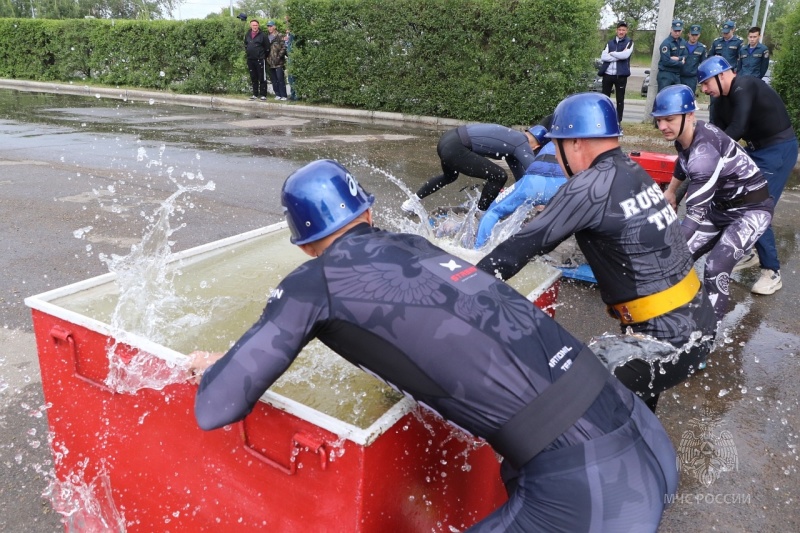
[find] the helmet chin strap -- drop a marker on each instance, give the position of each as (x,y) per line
(560,145)
(683,123)
(719,84)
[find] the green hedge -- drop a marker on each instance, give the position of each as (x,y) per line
(786,75)
(196,56)
(506,61)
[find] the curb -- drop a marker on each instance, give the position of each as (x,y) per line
(227,103)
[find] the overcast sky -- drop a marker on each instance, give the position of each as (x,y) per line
(198,9)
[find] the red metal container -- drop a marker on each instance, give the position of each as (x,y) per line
(286,467)
(659,166)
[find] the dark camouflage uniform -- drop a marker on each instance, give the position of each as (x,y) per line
(720,171)
(469,347)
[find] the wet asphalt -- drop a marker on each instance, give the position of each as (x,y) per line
(79,176)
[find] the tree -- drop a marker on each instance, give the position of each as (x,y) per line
(66,9)
(261,9)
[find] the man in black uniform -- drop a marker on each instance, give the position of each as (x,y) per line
(725,46)
(256,47)
(467,150)
(672,57)
(747,108)
(630,237)
(584,452)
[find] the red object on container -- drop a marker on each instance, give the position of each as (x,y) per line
(659,166)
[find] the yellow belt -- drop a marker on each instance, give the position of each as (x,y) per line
(653,305)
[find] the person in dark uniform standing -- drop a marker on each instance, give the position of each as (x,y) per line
(467,150)
(728,206)
(616,68)
(748,109)
(581,452)
(256,48)
(696,53)
(753,55)
(672,57)
(630,237)
(727,44)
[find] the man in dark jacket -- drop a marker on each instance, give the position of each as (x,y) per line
(256,47)
(616,69)
(276,58)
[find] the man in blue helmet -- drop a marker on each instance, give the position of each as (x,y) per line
(467,150)
(630,237)
(672,57)
(748,109)
(728,206)
(541,181)
(727,47)
(581,452)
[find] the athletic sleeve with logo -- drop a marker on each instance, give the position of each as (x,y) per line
(457,340)
(623,225)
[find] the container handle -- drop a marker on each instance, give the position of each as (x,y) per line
(60,334)
(299,440)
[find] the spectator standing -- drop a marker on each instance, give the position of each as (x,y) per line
(616,67)
(288,40)
(727,45)
(749,109)
(727,202)
(276,61)
(580,452)
(696,54)
(673,57)
(256,48)
(630,237)
(753,56)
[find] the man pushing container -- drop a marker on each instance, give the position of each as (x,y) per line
(581,452)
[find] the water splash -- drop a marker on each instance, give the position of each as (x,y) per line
(451,226)
(149,304)
(85,507)
(617,350)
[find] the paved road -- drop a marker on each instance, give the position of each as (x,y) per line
(67,163)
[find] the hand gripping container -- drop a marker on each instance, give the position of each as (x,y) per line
(289,466)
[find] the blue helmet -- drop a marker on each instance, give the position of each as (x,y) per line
(583,116)
(321,198)
(539,132)
(711,67)
(674,100)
